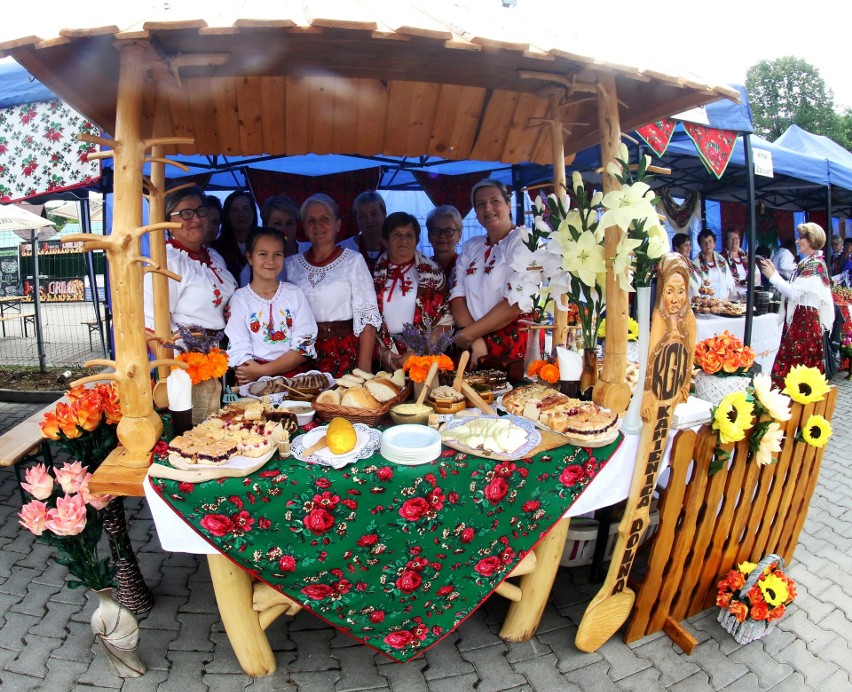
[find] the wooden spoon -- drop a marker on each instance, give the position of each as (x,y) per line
(465,357)
(477,400)
(316,446)
(428,381)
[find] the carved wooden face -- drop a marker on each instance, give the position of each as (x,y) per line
(674,294)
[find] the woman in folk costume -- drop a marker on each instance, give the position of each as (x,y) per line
(206,286)
(409,287)
(807,309)
(736,258)
(339,288)
(717,281)
(271,330)
(682,245)
(239,218)
(479,296)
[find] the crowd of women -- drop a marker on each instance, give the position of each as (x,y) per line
(334,304)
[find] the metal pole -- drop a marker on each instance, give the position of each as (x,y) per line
(42,362)
(85,215)
(752,223)
(520,207)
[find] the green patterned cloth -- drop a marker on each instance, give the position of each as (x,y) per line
(395,556)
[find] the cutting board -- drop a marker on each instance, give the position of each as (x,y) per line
(237,467)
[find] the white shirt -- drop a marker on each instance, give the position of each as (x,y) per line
(784,262)
(340,290)
(399,310)
(269,328)
(200,297)
(721,281)
(481,277)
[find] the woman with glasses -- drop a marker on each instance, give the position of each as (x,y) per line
(206,285)
(444,225)
(239,218)
(410,289)
(339,288)
(480,294)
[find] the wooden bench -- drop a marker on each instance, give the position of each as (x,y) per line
(24,443)
(94,326)
(26,318)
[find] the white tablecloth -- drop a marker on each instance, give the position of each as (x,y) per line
(611,485)
(765,333)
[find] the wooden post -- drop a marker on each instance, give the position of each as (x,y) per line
(612,390)
(159,282)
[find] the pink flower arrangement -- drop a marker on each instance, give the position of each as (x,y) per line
(64,513)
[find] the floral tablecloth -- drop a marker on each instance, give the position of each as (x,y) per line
(395,556)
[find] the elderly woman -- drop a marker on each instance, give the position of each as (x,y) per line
(444,225)
(807,305)
(409,288)
(736,258)
(206,286)
(716,279)
(339,288)
(282,214)
(479,296)
(239,219)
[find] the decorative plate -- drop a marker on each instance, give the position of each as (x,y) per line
(533,438)
(278,397)
(367,443)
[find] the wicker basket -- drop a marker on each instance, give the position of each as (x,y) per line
(714,388)
(368,416)
(750,630)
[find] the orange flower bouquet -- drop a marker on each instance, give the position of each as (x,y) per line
(85,427)
(417,367)
(547,370)
(200,351)
(724,354)
(753,597)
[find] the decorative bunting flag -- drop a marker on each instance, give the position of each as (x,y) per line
(658,134)
(714,146)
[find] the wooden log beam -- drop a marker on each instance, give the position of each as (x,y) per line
(612,390)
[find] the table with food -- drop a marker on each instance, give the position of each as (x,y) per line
(390,518)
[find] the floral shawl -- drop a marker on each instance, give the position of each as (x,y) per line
(431,297)
(811,275)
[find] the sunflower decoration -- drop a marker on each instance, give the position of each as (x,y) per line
(764,599)
(805,385)
(772,400)
(816,431)
(733,417)
(632,329)
(774,590)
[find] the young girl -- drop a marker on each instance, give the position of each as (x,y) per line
(271,329)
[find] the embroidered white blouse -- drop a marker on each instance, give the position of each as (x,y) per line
(265,329)
(719,276)
(483,272)
(340,290)
(200,298)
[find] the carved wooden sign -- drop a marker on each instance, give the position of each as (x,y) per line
(672,344)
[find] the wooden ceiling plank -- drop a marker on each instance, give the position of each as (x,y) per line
(202,103)
(273,109)
(180,112)
(456,120)
(421,116)
(520,141)
(321,115)
(227,116)
(296,118)
(345,104)
(248,90)
(371,116)
(492,133)
(338,14)
(407,19)
(400,96)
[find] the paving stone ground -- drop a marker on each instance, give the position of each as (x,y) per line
(46,642)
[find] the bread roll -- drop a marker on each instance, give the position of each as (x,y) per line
(362,374)
(398,378)
(383,389)
(329,396)
(359,397)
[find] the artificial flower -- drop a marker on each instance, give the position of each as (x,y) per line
(723,353)
(418,367)
(584,258)
(632,329)
(733,417)
(549,373)
(816,431)
(770,444)
(774,590)
(805,385)
(628,205)
(739,610)
(38,482)
(623,263)
(68,518)
(746,567)
(776,404)
(71,476)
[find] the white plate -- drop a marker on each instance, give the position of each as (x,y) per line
(368,441)
(533,438)
(411,445)
(505,389)
(281,396)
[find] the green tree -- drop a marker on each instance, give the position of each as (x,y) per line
(843,131)
(789,91)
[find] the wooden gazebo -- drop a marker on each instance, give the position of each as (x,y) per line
(366,77)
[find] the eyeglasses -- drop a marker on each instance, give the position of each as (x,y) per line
(442,232)
(187,214)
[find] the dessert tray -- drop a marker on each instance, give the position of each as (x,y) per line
(235,467)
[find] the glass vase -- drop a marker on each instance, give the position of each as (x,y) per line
(590,373)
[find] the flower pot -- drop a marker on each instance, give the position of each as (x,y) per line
(746,631)
(206,399)
(590,373)
(117,631)
(714,388)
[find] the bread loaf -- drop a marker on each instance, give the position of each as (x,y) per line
(359,397)
(383,389)
(329,396)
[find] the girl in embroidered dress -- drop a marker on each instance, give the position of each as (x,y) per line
(479,296)
(339,288)
(408,286)
(271,330)
(206,286)
(717,281)
(737,259)
(807,306)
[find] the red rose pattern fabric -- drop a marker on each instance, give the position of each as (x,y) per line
(658,134)
(394,556)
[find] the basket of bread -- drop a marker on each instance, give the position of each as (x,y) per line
(362,397)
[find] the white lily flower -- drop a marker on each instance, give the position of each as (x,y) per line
(576,180)
(596,198)
(539,205)
(585,258)
(626,205)
(541,226)
(770,444)
(613,169)
(622,152)
(573,219)
(622,266)
(776,403)
(657,245)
